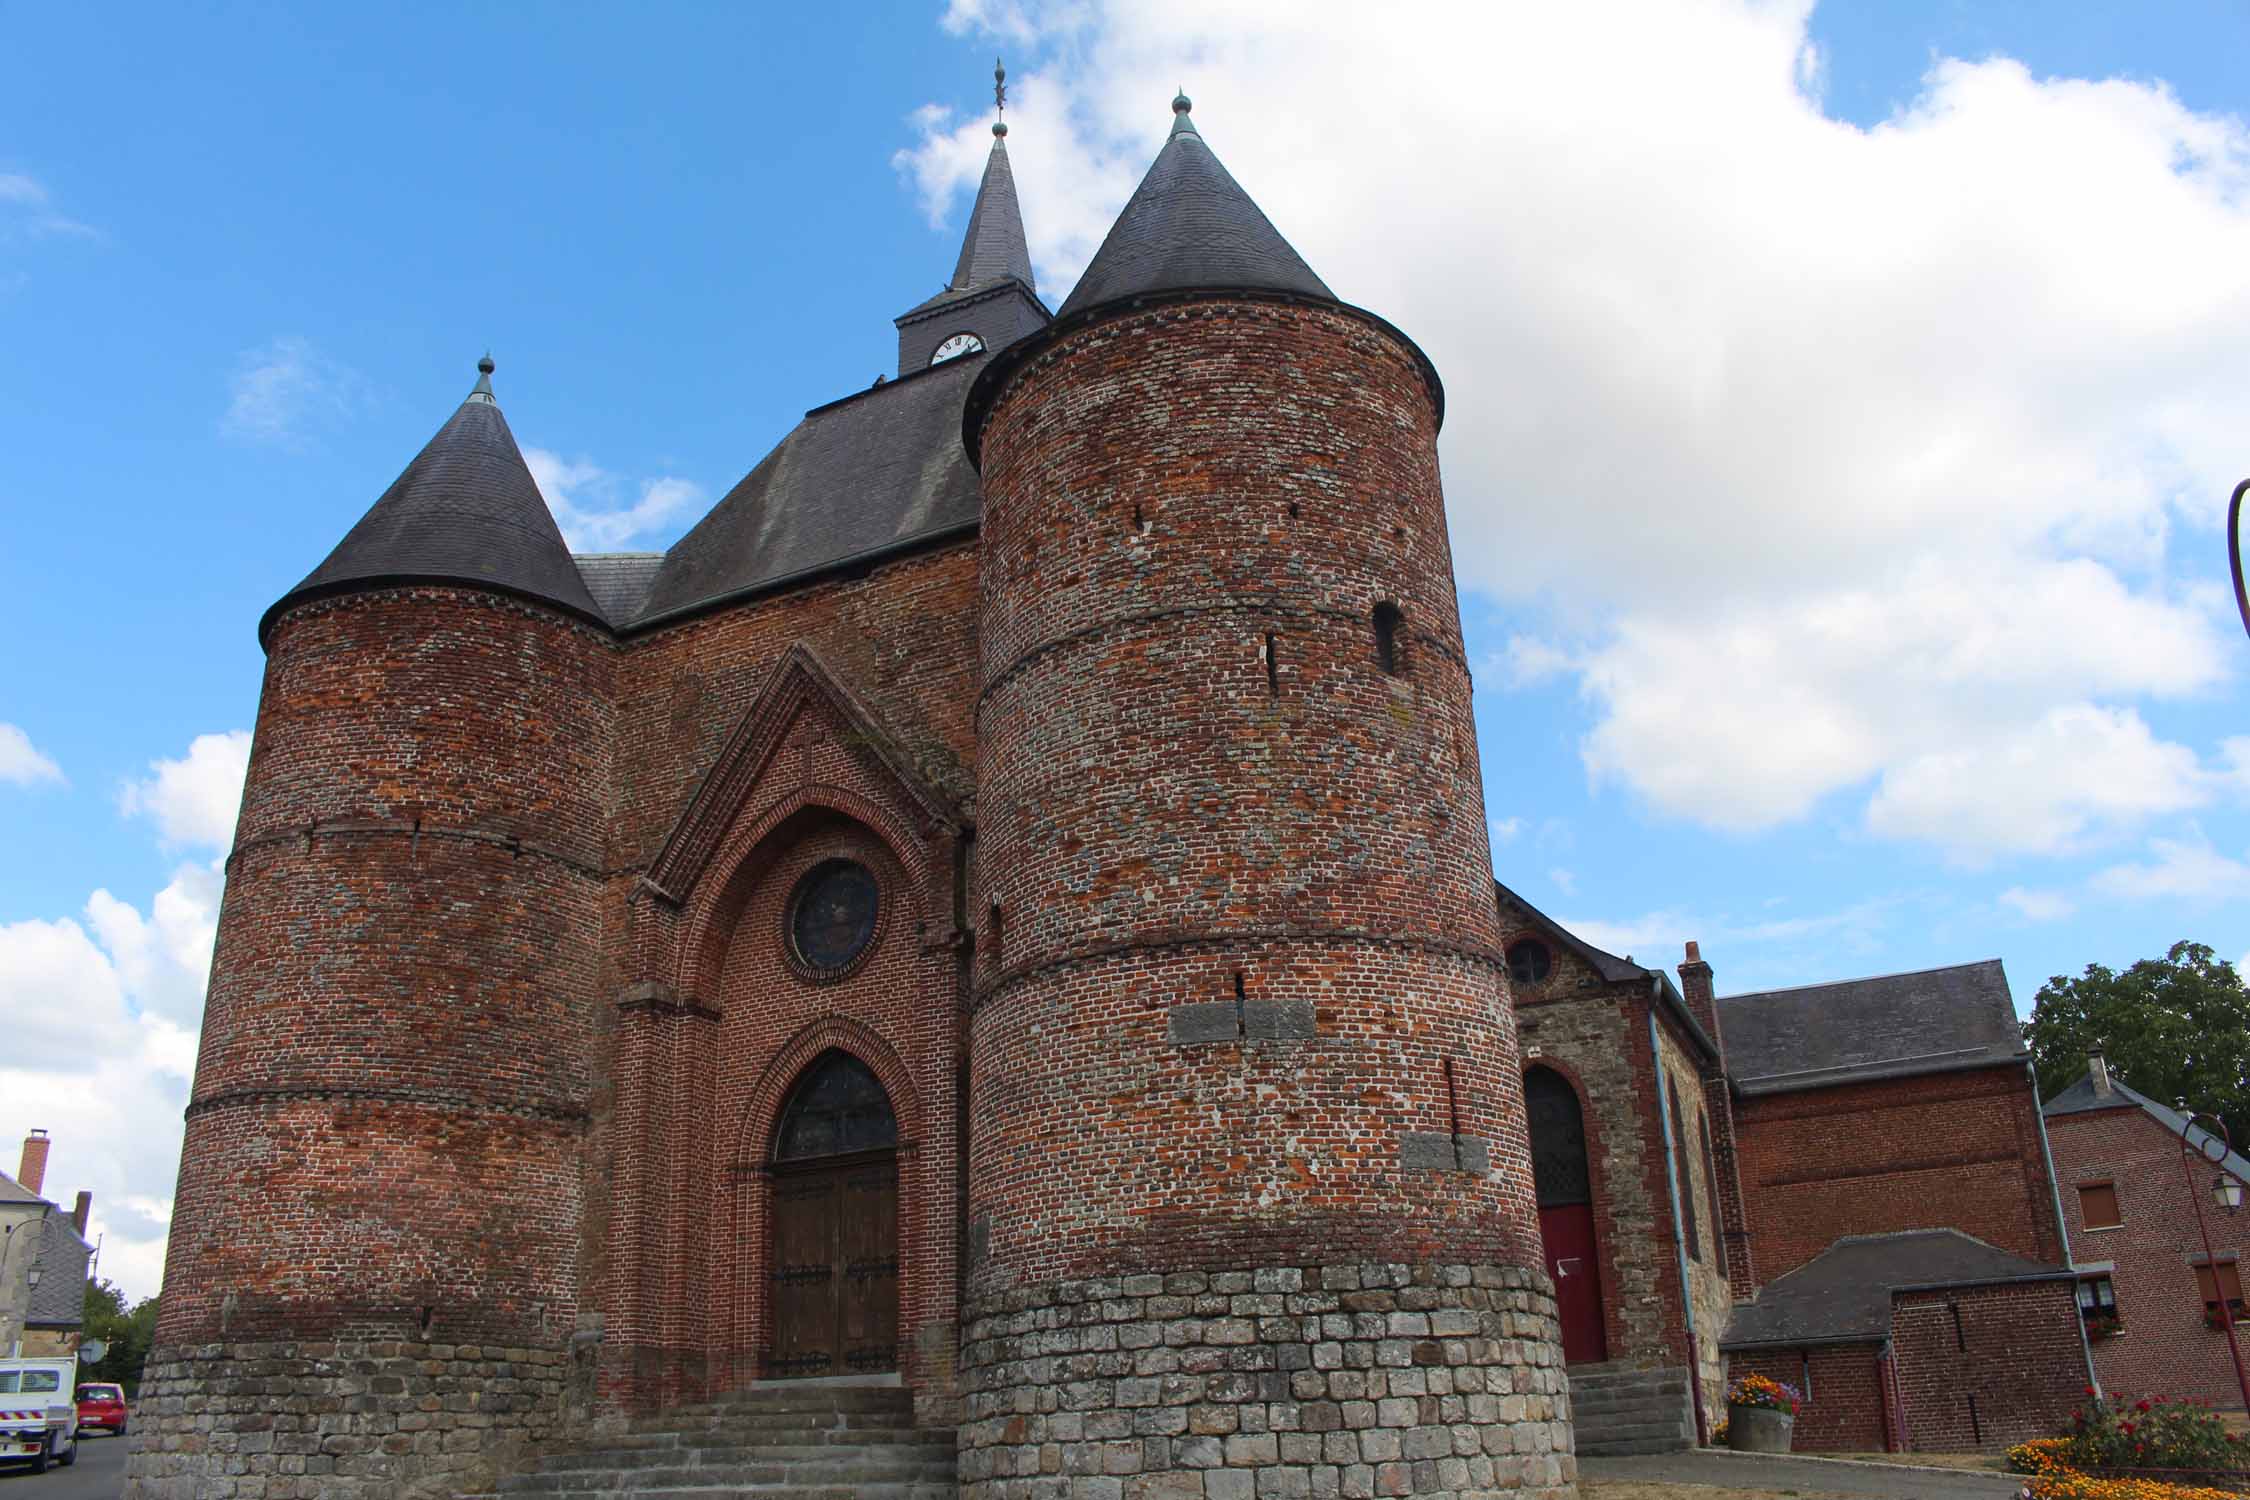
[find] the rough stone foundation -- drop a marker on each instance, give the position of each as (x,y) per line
(307,1421)
(1280,1383)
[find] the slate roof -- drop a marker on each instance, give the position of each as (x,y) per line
(1843,1294)
(12,1191)
(619,581)
(994,246)
(59,1301)
(1888,1026)
(1190,226)
(857,478)
(2080,1099)
(465,511)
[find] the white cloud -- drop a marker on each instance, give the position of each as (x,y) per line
(25,203)
(21,762)
(1756,952)
(102,1011)
(1840,448)
(194,799)
(2038,906)
(2185,870)
(1563,880)
(1505,830)
(590,505)
(283,392)
(2040,789)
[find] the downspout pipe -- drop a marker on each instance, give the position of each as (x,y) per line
(2062,1226)
(1679,1237)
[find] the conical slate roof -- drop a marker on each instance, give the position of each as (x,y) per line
(465,511)
(994,246)
(1191,227)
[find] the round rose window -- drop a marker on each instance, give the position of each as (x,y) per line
(832,914)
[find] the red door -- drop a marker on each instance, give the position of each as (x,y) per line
(1566,1211)
(1568,1233)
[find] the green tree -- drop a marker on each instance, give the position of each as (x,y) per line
(2176,1028)
(128,1330)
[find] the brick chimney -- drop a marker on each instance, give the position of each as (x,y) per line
(33,1172)
(2097,1068)
(1695,989)
(80,1211)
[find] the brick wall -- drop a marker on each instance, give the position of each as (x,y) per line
(1841,1387)
(2165,1346)
(385,1139)
(1194,774)
(1981,1368)
(1947,1150)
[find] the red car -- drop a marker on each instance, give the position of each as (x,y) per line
(102,1406)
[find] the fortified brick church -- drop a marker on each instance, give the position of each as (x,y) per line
(990,945)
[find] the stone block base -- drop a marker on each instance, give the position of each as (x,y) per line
(1274,1383)
(296,1421)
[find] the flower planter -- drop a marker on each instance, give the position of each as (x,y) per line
(1759,1429)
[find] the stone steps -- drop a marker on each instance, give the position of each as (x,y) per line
(766,1443)
(1623,1411)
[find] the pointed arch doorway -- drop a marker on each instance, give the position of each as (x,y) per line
(1564,1187)
(834,1263)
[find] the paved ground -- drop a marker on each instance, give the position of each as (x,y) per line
(98,1475)
(1746,1471)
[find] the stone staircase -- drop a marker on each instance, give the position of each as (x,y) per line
(1621,1411)
(786,1442)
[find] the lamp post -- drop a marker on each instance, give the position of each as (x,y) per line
(2234,551)
(2226,1188)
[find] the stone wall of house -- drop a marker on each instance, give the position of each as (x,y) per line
(1598,1038)
(2165,1345)
(1709,1296)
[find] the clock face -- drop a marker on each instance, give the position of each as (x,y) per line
(955,347)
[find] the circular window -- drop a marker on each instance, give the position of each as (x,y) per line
(1529,961)
(832,915)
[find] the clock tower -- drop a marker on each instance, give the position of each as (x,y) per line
(992,299)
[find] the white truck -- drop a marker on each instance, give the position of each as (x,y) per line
(39,1411)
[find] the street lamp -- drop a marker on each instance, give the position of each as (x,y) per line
(2226,1189)
(2234,551)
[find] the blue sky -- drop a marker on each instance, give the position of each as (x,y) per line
(1839,403)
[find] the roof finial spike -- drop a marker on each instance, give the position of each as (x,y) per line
(483,391)
(1181,124)
(1000,97)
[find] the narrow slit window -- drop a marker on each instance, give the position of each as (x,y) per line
(1273,665)
(993,927)
(1390,623)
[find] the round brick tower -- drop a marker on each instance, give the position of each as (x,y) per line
(1251,1208)
(374,1266)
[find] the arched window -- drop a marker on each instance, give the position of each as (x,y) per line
(837,1107)
(1711,1192)
(1683,1179)
(1558,1139)
(1390,645)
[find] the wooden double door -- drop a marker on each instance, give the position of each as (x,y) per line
(835,1266)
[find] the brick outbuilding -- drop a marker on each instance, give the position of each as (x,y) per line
(2133,1174)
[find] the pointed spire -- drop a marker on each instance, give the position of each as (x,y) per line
(466,510)
(994,246)
(1189,226)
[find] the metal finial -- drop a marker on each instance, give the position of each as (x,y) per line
(485,366)
(1181,124)
(1000,97)
(483,391)
(1181,103)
